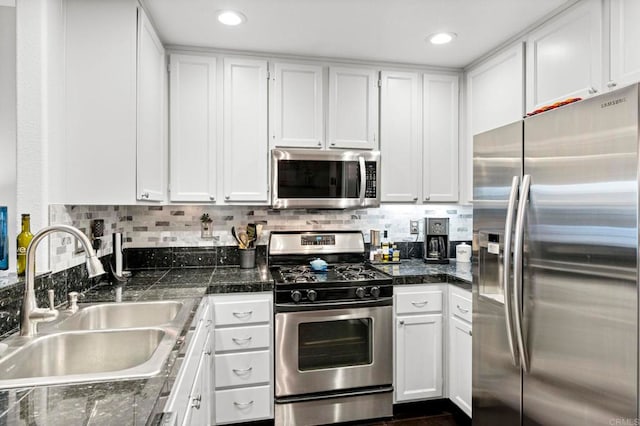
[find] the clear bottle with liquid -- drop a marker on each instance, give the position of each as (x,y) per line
(24,238)
(385,247)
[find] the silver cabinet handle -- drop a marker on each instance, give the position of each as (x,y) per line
(401,322)
(242,371)
(593,90)
(212,198)
(420,304)
(144,195)
(208,351)
(506,266)
(242,314)
(243,404)
(518,245)
(470,333)
(427,198)
(415,198)
(241,340)
(195,402)
(227,197)
(611,84)
(333,144)
(319,143)
(464,311)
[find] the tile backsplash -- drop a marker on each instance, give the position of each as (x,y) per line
(179,225)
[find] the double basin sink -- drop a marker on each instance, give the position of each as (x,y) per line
(110,341)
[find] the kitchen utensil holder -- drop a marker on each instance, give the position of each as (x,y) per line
(247,258)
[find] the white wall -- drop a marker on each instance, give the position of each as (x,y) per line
(40,55)
(8,122)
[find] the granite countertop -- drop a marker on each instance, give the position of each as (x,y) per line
(127,402)
(416,271)
(135,402)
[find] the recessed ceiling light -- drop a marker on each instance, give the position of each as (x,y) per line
(231,17)
(441,38)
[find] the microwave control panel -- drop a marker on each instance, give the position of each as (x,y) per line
(371,174)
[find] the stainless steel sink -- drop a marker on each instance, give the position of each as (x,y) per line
(110,341)
(78,356)
(123,315)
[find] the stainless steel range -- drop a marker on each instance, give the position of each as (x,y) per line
(333,334)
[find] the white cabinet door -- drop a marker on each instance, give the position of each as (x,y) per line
(297,118)
(625,34)
(418,357)
(564,57)
(460,352)
(151,144)
(440,130)
(201,396)
(193,128)
(353,106)
(245,130)
(399,137)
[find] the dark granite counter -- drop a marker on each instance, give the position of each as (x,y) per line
(127,402)
(416,271)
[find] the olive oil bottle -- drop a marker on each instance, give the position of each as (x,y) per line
(24,238)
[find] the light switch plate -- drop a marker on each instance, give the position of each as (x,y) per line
(414,227)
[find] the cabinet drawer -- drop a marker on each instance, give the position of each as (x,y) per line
(418,302)
(243,338)
(241,312)
(242,369)
(240,405)
(460,307)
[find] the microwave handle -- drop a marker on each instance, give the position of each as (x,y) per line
(363,180)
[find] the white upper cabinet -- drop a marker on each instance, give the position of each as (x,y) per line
(399,136)
(564,56)
(193,128)
(353,108)
(625,35)
(495,91)
(152,112)
(440,132)
(298,115)
(245,131)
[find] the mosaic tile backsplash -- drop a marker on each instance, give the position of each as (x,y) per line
(179,225)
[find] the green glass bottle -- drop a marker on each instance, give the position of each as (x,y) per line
(24,238)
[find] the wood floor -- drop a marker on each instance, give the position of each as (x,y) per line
(445,419)
(431,413)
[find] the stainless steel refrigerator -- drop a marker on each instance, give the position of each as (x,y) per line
(555,285)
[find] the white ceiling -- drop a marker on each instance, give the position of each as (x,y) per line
(379,30)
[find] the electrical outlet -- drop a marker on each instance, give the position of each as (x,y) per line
(413,227)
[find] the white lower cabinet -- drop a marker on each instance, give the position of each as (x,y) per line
(190,398)
(460,348)
(243,365)
(418,342)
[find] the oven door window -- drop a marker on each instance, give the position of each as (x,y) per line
(335,344)
(318,179)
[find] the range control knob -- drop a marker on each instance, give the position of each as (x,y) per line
(296,296)
(312,295)
(360,292)
(375,292)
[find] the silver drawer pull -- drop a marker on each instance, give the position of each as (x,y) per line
(464,311)
(243,404)
(242,371)
(242,314)
(420,304)
(241,341)
(196,402)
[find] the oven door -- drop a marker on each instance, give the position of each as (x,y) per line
(333,350)
(324,179)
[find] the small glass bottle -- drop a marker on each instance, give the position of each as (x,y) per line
(385,248)
(24,238)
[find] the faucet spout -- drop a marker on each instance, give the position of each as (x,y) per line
(30,313)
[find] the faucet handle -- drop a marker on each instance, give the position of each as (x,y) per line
(52,295)
(72,301)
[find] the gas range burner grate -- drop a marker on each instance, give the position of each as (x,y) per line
(298,274)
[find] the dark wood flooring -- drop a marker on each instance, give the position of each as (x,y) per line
(428,413)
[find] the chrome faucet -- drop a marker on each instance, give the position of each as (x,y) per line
(31,314)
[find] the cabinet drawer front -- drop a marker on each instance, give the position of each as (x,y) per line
(240,405)
(242,369)
(243,338)
(460,307)
(242,312)
(419,302)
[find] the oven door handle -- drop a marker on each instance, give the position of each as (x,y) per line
(363,180)
(383,301)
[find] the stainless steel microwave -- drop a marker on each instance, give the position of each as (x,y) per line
(324,179)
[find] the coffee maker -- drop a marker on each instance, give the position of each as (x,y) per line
(436,240)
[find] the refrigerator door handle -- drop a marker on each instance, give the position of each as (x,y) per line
(506,266)
(517,268)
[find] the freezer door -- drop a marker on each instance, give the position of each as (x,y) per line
(580,263)
(496,377)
